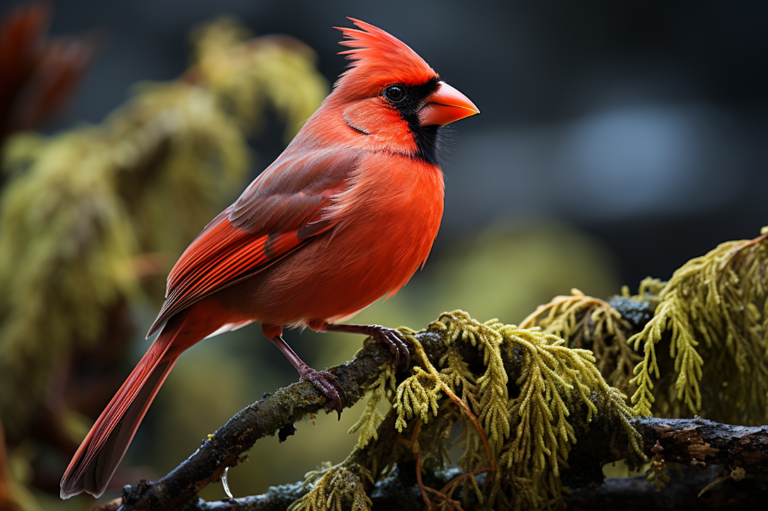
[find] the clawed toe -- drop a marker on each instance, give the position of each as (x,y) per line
(396,344)
(379,334)
(325,382)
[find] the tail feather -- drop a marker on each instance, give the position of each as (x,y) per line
(105,445)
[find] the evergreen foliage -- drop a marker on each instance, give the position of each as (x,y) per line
(591,323)
(714,314)
(517,428)
(712,319)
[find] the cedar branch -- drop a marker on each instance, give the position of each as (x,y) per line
(694,442)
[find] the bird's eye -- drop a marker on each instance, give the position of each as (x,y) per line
(394,93)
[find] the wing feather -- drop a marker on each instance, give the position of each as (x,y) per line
(283,208)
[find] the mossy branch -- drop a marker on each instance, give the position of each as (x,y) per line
(695,442)
(536,414)
(555,396)
(263,418)
(701,443)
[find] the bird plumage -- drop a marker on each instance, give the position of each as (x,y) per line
(345,215)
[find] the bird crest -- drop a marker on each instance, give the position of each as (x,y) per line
(378,59)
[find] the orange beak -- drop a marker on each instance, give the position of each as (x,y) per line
(446,105)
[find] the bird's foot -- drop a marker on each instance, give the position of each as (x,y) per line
(325,382)
(391,337)
(379,333)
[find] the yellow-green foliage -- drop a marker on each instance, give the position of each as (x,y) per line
(529,434)
(417,396)
(65,257)
(485,393)
(590,323)
(714,313)
(557,385)
(201,154)
(79,209)
(384,386)
(337,488)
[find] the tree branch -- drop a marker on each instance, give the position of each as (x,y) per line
(700,443)
(694,442)
(682,492)
(263,418)
(627,494)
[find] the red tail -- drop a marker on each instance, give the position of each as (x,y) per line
(100,453)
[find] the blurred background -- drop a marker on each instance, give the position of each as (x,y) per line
(615,141)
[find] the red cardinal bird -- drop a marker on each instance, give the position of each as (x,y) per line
(344,216)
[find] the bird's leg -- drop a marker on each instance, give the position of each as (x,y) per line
(378,332)
(323,380)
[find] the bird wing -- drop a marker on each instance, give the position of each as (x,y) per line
(283,208)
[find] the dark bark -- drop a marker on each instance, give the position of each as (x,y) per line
(700,443)
(682,492)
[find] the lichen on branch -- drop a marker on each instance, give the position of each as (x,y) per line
(336,488)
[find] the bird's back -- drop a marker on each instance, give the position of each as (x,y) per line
(385,225)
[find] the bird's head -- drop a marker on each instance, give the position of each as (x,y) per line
(390,91)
